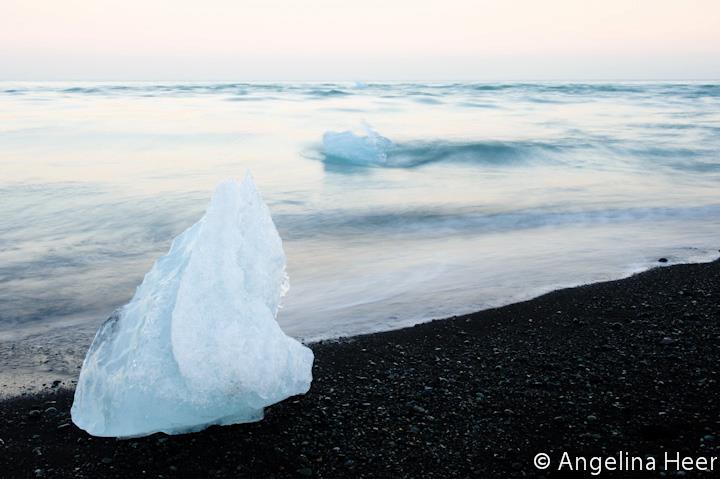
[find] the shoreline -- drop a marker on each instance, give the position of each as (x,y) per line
(624,365)
(34,362)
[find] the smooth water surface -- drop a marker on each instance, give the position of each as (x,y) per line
(492,193)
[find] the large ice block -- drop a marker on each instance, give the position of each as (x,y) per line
(198,344)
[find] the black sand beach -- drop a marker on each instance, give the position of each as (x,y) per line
(629,365)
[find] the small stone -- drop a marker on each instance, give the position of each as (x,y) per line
(51,410)
(663,260)
(106,460)
(305,471)
(591,418)
(35,414)
(56,383)
(666,341)
(64,426)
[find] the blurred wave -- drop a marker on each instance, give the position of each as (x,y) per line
(427,223)
(372,150)
(414,154)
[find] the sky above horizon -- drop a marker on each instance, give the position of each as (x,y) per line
(329,40)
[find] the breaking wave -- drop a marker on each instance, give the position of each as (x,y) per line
(374,150)
(367,148)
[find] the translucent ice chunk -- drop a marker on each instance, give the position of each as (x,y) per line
(370,149)
(198,344)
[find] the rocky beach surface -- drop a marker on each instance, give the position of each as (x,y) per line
(628,366)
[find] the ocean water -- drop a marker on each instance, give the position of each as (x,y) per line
(464,196)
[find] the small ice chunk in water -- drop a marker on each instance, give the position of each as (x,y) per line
(198,344)
(370,149)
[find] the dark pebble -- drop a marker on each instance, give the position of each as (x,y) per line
(64,427)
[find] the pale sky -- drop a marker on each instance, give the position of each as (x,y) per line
(247,40)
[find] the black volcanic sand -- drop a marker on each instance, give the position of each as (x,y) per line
(628,365)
